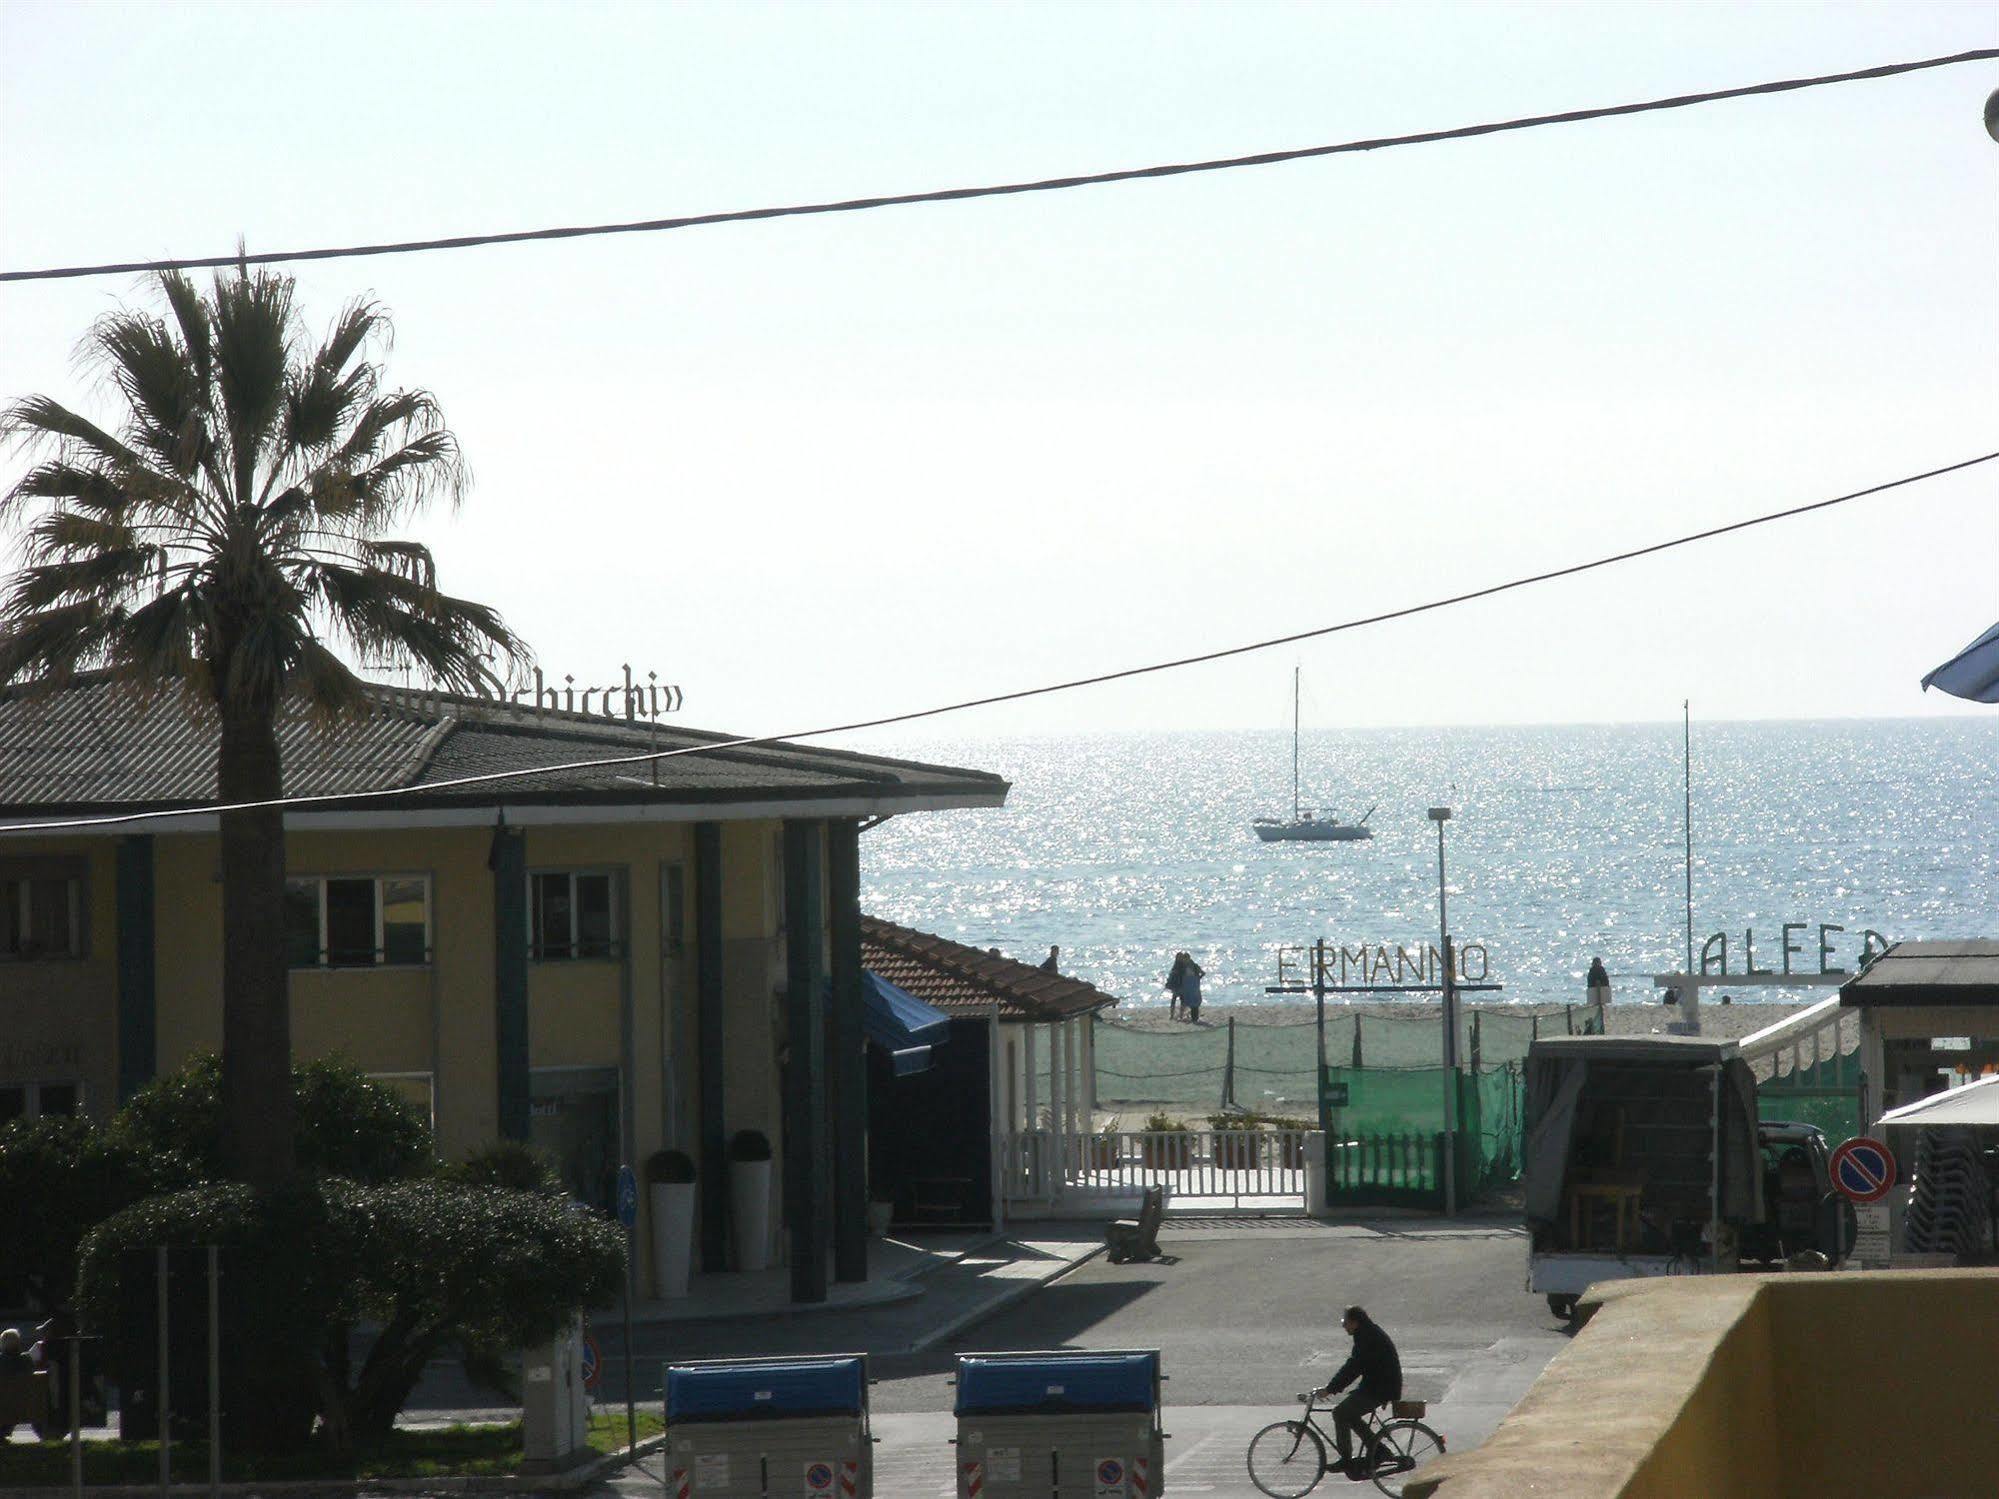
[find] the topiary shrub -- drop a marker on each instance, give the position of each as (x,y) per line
(749,1145)
(347,1124)
(60,1177)
(434,1265)
(513,1164)
(669,1167)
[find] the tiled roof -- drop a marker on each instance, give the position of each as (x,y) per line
(965,981)
(96,747)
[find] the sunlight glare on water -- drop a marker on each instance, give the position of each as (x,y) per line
(1566,843)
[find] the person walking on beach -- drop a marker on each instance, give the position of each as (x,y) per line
(1184,984)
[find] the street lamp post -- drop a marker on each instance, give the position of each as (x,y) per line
(1440,816)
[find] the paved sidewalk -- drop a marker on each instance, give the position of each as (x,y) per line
(947,1295)
(894,1268)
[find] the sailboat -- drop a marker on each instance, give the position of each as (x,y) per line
(1305,825)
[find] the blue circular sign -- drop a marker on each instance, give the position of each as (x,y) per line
(1863,1170)
(1109,1471)
(628,1197)
(819,1478)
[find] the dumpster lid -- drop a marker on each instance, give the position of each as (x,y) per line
(989,1385)
(739,1389)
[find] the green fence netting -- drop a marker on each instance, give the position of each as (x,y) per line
(1269,1068)
(1410,1101)
(1827,1095)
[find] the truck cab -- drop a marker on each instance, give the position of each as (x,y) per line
(1801,1212)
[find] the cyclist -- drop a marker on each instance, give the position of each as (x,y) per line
(1378,1369)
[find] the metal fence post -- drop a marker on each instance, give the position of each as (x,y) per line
(214,1370)
(161,1403)
(76,1414)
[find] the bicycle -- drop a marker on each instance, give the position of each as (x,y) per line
(1288,1458)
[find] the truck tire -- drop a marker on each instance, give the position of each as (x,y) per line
(1563,1307)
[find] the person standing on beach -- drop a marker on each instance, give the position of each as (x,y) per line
(1184,984)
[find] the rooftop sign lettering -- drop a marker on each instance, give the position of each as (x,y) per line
(1378,963)
(631,700)
(1714,951)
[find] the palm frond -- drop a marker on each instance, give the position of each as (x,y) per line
(168,400)
(238,527)
(38,418)
(254,332)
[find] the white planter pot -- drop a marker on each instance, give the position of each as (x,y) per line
(672,1237)
(749,1197)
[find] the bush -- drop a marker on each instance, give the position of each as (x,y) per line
(1234,1122)
(1160,1123)
(749,1145)
(669,1166)
(435,1265)
(59,1178)
(347,1125)
(513,1164)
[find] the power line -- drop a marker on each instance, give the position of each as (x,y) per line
(346,799)
(1045,185)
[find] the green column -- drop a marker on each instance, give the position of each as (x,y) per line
(848,1069)
(508,862)
(806,1157)
(138,1002)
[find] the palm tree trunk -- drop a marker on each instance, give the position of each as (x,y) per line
(256,1002)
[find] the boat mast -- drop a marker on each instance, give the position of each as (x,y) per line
(1295,815)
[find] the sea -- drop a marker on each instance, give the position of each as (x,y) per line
(1565,843)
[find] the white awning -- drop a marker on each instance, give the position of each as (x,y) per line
(1974,1103)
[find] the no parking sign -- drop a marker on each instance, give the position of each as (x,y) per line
(1110,1478)
(1863,1169)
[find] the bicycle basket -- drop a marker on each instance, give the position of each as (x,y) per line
(1409,1410)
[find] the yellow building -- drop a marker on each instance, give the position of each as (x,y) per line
(601,958)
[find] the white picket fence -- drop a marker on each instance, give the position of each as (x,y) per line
(1261,1170)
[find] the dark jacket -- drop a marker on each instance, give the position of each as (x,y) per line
(1375,1363)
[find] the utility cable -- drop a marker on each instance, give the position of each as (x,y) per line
(346,799)
(960,194)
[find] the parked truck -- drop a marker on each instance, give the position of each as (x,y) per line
(1645,1156)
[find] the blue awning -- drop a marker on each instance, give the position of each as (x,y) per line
(902,1025)
(1973,672)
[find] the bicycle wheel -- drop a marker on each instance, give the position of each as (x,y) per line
(1404,1450)
(1286,1459)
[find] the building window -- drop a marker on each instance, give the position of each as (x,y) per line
(41,917)
(573,915)
(358,921)
(39,1100)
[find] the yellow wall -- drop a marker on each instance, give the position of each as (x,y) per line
(1880,1383)
(59,1016)
(439,1020)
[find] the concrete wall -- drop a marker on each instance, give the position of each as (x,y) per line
(1798,1386)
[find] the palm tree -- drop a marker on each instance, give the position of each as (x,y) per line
(220,544)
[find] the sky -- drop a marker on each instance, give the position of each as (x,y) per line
(822,469)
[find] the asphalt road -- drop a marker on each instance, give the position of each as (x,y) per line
(1244,1317)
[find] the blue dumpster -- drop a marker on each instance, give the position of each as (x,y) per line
(769,1429)
(1059,1425)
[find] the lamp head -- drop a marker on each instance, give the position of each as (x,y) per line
(1440,814)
